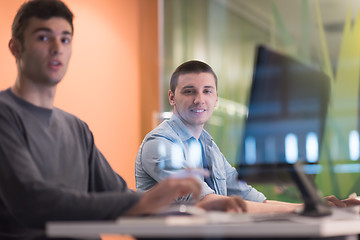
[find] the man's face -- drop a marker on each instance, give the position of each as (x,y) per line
(45,53)
(195,99)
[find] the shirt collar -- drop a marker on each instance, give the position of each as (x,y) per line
(180,128)
(183,131)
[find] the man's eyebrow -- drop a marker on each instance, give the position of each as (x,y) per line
(185,87)
(45,29)
(191,86)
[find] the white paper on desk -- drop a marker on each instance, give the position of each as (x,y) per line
(227,217)
(185,220)
(212,217)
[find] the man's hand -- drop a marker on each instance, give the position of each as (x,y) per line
(335,202)
(214,202)
(164,193)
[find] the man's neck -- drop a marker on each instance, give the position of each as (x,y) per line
(38,96)
(195,130)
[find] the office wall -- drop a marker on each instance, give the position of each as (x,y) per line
(102,83)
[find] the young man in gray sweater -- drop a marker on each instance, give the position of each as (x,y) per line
(51,169)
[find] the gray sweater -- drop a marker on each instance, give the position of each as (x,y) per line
(50,169)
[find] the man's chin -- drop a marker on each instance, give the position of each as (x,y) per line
(198,123)
(54,81)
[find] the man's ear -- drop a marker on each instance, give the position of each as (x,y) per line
(15,47)
(171,96)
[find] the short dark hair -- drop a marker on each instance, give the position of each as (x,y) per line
(192,66)
(43,9)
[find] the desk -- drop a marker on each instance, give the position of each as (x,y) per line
(198,227)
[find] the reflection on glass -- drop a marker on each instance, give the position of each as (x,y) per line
(162,155)
(312,147)
(195,155)
(286,116)
(313,168)
(354,145)
(270,146)
(288,103)
(347,168)
(173,158)
(250,150)
(334,143)
(291,148)
(176,159)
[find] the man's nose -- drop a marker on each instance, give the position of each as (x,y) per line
(55,47)
(199,98)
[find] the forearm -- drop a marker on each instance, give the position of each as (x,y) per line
(271,206)
(163,194)
(283,203)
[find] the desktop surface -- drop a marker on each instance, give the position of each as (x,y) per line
(215,225)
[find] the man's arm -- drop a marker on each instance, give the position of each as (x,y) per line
(159,165)
(163,194)
(160,158)
(270,206)
(32,199)
(214,202)
(348,202)
(332,201)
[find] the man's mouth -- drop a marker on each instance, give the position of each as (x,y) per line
(55,63)
(198,110)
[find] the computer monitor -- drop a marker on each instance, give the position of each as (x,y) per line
(283,131)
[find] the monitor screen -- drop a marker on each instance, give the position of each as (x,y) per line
(287,110)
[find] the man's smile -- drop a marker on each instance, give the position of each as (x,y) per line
(197,110)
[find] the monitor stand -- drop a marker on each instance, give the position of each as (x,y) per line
(314,205)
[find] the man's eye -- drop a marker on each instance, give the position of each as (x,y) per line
(188,91)
(66,40)
(207,91)
(43,38)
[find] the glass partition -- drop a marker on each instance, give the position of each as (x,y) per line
(324,34)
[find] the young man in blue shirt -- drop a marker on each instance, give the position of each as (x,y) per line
(183,143)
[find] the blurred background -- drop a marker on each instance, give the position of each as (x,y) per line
(323,34)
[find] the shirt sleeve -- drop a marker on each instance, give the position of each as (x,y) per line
(161,158)
(33,201)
